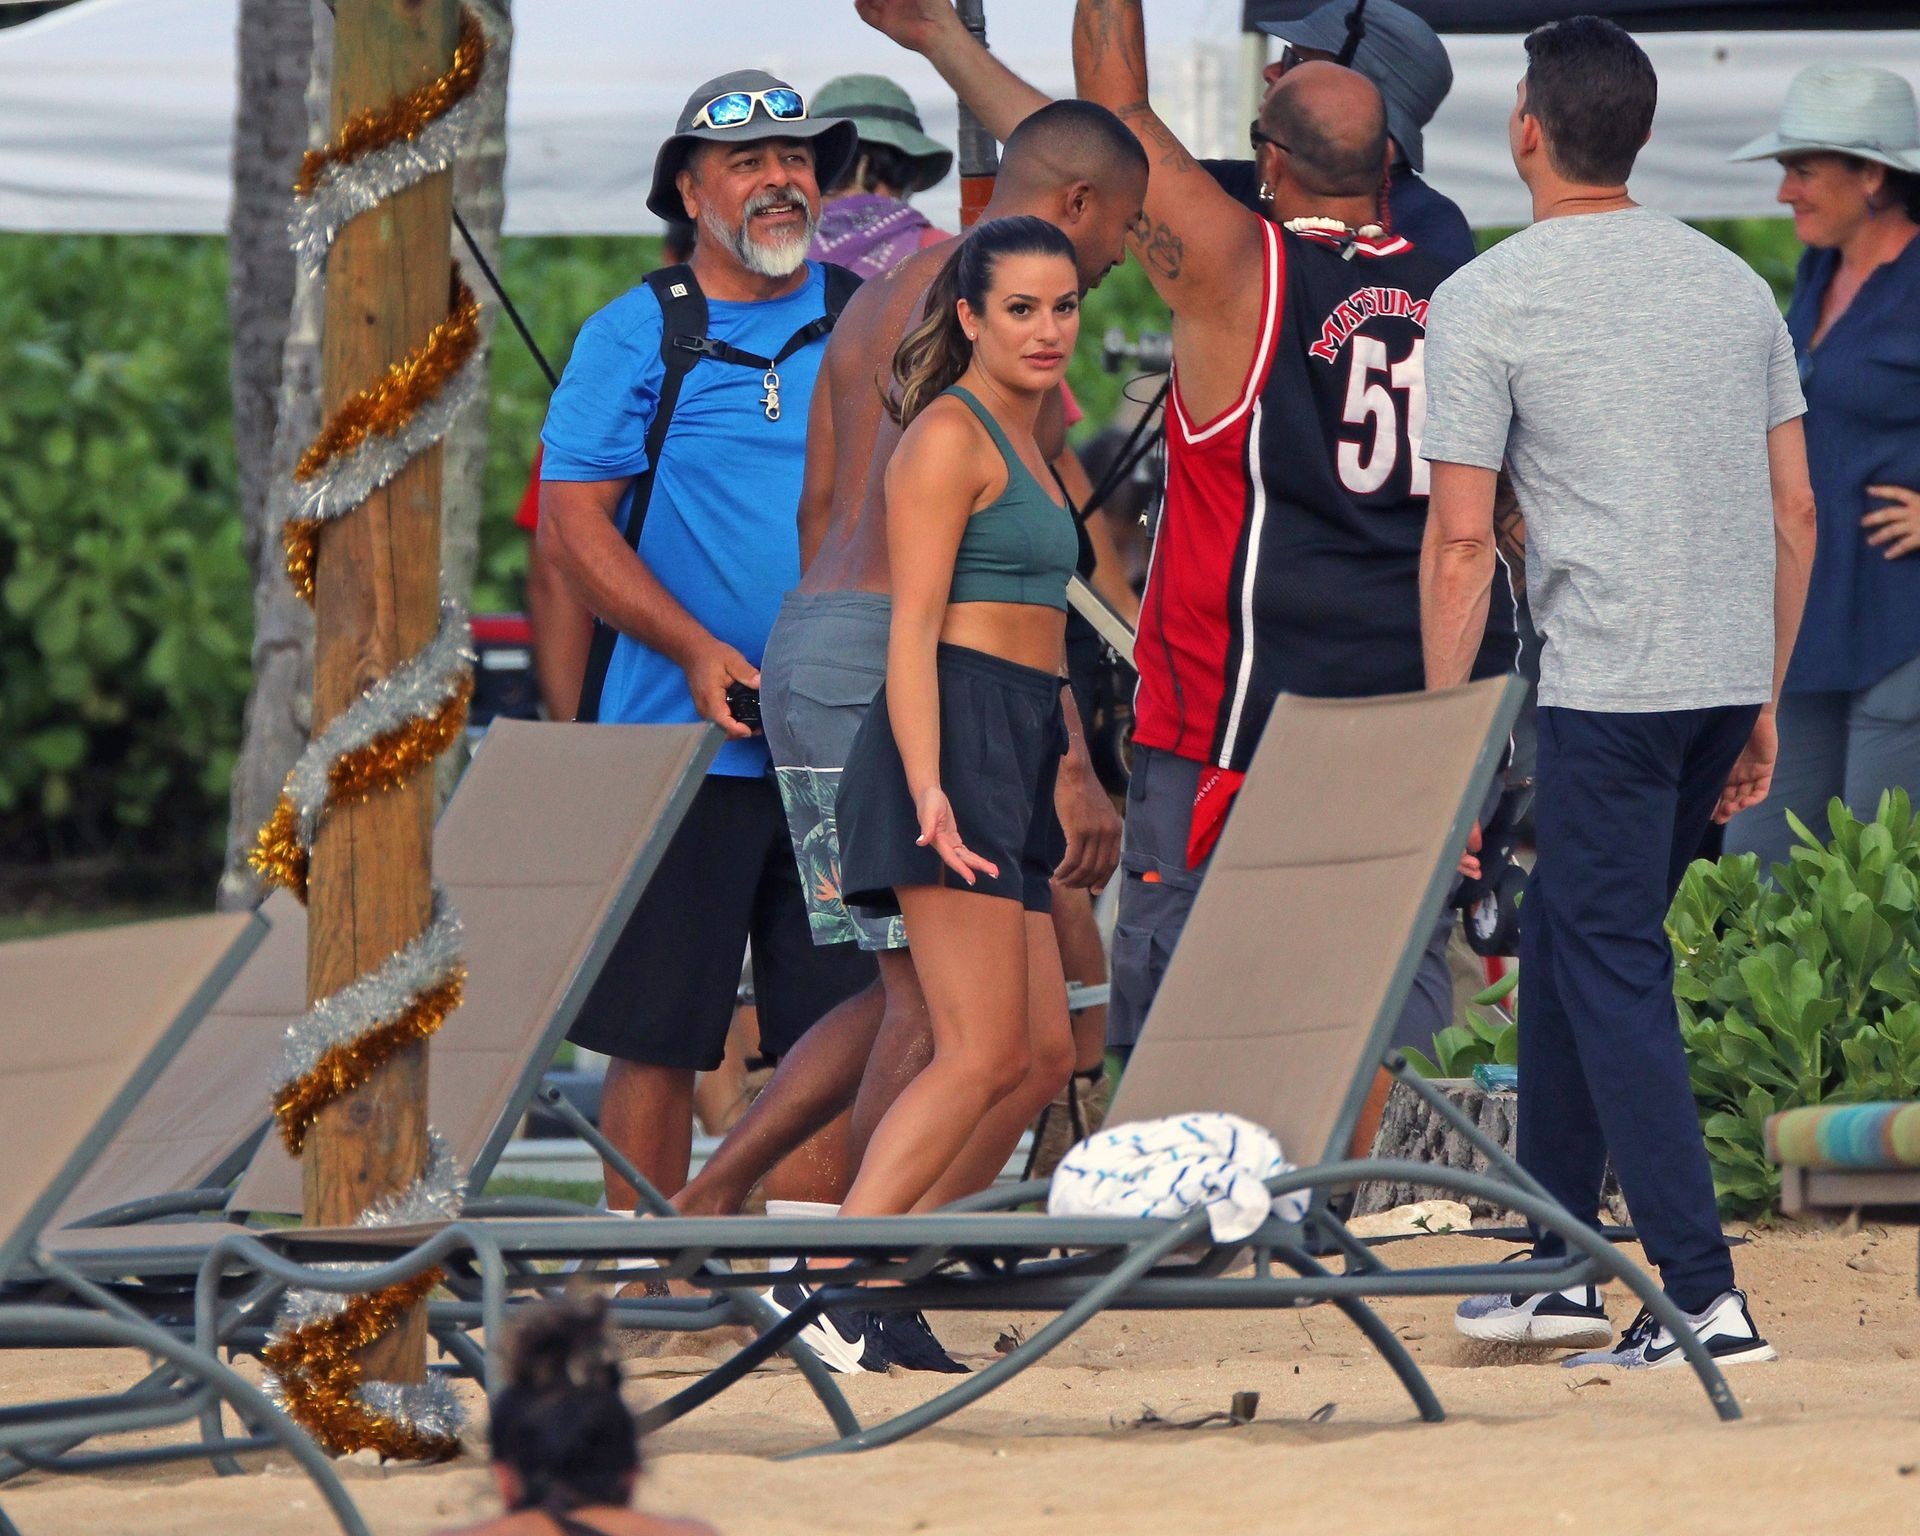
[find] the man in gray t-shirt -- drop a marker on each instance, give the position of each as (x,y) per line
(1638,386)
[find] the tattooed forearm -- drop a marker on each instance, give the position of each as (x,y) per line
(1159,247)
(1109,45)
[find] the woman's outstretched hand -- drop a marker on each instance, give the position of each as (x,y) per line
(938,832)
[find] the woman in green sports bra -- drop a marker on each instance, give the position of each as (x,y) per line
(946,802)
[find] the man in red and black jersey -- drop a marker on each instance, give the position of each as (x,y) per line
(1287,557)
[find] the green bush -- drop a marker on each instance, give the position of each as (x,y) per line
(1484,1040)
(125,620)
(1801,991)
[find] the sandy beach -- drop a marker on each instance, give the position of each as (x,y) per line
(1831,1439)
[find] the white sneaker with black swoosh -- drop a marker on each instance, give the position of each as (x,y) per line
(1726,1328)
(841,1337)
(1574,1318)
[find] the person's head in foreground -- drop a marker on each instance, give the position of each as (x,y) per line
(745,163)
(1849,151)
(1584,108)
(1005,308)
(565,1449)
(895,157)
(1080,168)
(1398,52)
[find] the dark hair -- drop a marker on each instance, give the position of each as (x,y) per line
(1344,158)
(560,1422)
(1070,140)
(936,351)
(874,166)
(1902,187)
(1593,90)
(676,244)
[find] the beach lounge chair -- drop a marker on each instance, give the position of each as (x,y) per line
(545,849)
(1342,844)
(89,1022)
(1848,1157)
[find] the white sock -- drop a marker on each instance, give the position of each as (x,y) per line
(796,1208)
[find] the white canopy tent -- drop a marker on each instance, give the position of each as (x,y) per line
(117,115)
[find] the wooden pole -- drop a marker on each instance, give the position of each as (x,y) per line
(376,602)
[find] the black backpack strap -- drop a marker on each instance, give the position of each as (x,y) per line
(683,313)
(683,342)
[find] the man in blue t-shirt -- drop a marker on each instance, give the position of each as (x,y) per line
(687,612)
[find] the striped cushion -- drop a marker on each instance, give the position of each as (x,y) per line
(1846,1136)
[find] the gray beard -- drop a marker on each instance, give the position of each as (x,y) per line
(782,259)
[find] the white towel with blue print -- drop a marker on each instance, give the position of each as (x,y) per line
(1168,1167)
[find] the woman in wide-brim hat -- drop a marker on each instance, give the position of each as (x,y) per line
(1848,145)
(867,223)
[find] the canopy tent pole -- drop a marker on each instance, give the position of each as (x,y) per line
(979,156)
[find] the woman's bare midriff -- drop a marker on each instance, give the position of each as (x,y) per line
(1027,633)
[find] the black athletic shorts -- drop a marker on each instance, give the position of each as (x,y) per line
(1001,736)
(666,995)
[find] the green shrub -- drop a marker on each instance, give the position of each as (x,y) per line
(1484,1040)
(1800,991)
(125,619)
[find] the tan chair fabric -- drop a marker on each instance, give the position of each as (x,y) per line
(211,1099)
(1300,947)
(85,1019)
(536,850)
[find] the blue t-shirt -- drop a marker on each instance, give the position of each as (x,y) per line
(721,530)
(1862,385)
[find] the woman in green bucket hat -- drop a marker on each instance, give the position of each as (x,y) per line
(867,223)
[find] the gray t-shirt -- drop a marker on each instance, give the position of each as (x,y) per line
(1626,370)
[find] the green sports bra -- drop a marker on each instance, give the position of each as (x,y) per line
(1022,546)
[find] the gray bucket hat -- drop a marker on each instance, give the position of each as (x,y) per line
(884,114)
(837,139)
(1398,52)
(1849,109)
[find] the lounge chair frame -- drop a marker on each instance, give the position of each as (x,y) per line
(981,1254)
(43,1436)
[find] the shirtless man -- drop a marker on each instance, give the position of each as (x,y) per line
(1078,167)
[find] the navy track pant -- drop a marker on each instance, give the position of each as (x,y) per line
(1622,801)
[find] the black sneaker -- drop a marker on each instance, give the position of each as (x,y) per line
(844,1337)
(1574,1318)
(1726,1327)
(911,1345)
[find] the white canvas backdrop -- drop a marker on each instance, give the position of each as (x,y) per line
(118,114)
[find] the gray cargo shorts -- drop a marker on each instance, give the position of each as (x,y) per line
(825,661)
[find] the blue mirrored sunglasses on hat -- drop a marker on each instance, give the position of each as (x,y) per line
(781,103)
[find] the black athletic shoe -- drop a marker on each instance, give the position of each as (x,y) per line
(911,1345)
(844,1337)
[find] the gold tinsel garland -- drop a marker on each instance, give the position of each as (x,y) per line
(405,116)
(279,855)
(383,409)
(320,1376)
(345,1067)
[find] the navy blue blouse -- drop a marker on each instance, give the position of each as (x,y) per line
(1863,428)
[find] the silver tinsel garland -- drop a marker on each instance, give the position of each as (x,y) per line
(376,997)
(431,1406)
(416,689)
(344,192)
(349,480)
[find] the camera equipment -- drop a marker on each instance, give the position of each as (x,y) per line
(1490,906)
(1152,352)
(743,703)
